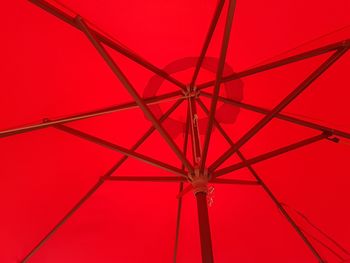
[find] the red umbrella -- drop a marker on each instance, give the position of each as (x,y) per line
(114,112)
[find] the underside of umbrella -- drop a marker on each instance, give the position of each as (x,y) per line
(193,121)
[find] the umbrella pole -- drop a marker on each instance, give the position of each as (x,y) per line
(204,227)
(199,181)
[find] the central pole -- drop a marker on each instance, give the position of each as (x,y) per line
(200,190)
(199,180)
(204,227)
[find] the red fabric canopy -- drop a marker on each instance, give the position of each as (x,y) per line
(66,121)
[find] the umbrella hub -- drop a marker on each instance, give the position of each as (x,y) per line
(199,181)
(191,92)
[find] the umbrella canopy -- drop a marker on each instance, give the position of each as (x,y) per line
(114,113)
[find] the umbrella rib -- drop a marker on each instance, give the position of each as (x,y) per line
(221,130)
(259,181)
(181,187)
(279,63)
(178,222)
(150,131)
(128,86)
(109,42)
(121,150)
(234,181)
(319,230)
(284,212)
(271,154)
(220,69)
(283,104)
(207,41)
(153,179)
(281,116)
(98,184)
(323,244)
(68,215)
(91,114)
(262,157)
